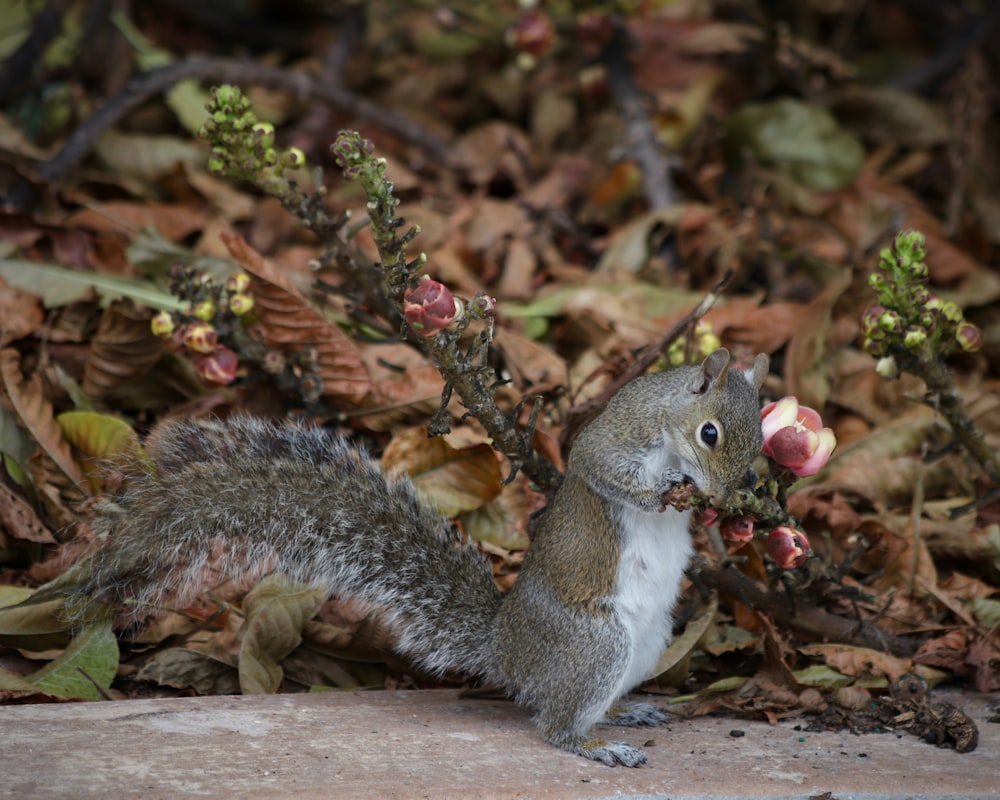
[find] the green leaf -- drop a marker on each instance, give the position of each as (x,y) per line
(986,611)
(799,139)
(58,286)
(89,663)
(276,613)
(822,675)
(101,436)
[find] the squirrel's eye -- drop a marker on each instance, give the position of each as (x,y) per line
(708,434)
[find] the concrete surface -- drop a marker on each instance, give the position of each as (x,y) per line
(389,745)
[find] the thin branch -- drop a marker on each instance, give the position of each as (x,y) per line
(799,615)
(639,132)
(226,70)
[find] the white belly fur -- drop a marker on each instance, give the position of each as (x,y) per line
(656,551)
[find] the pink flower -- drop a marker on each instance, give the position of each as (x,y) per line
(788,547)
(794,436)
(737,530)
(219,367)
(430,307)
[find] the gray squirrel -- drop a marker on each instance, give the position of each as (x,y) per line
(587,618)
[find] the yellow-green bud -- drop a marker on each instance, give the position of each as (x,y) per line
(205,310)
(951,312)
(238,282)
(162,325)
(915,337)
(240,304)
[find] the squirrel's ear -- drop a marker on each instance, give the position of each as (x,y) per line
(758,372)
(713,371)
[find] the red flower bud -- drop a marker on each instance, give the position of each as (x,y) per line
(219,367)
(788,547)
(533,33)
(430,307)
(737,530)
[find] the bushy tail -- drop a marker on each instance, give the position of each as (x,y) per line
(249,497)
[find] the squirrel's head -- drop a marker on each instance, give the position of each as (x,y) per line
(701,421)
(715,425)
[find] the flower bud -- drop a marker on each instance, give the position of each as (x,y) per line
(737,530)
(969,337)
(788,547)
(240,304)
(533,33)
(219,367)
(870,319)
(951,312)
(887,368)
(274,363)
(795,438)
(204,310)
(200,337)
(162,325)
(915,338)
(430,307)
(890,322)
(238,282)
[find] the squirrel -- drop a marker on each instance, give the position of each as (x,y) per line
(585,621)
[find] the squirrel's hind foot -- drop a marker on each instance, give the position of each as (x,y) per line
(635,715)
(611,753)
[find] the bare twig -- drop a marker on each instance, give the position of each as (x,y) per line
(639,133)
(19,64)
(225,70)
(799,615)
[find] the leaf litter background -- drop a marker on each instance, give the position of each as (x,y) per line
(800,138)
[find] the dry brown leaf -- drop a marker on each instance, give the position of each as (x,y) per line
(35,414)
(289,322)
(405,387)
(858,662)
(173,222)
(19,520)
(123,349)
(21,313)
(452,479)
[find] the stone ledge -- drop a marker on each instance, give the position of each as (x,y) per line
(433,744)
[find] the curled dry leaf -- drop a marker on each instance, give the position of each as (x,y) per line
(20,311)
(451,479)
(405,387)
(19,520)
(123,350)
(35,414)
(289,322)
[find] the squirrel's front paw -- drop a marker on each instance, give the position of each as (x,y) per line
(677,495)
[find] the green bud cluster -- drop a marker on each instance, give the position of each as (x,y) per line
(243,147)
(908,321)
(354,155)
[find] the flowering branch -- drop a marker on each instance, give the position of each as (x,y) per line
(438,318)
(913,330)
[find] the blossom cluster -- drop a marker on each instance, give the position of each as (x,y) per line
(908,321)
(196,330)
(798,443)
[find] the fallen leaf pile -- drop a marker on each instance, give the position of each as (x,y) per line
(789,152)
